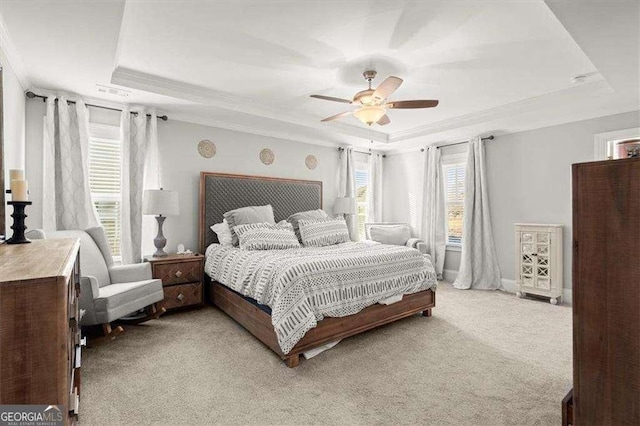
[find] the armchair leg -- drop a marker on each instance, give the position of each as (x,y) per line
(109,333)
(156,310)
(152,311)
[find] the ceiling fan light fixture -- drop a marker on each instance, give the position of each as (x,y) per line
(370,114)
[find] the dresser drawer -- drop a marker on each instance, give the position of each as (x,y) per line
(177,296)
(178,272)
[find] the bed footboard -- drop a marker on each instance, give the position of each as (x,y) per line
(258,322)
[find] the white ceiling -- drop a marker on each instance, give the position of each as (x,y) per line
(495,66)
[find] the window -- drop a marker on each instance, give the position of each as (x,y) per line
(453,170)
(362,183)
(105,153)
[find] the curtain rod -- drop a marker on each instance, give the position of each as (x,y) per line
(32,95)
(488,138)
(340,149)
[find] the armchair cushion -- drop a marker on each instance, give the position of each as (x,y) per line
(118,300)
(130,273)
(396,234)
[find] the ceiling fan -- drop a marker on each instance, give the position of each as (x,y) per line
(372,103)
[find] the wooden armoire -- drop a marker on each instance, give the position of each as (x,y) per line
(606,293)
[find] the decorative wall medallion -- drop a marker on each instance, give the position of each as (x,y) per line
(266,156)
(311,161)
(206,148)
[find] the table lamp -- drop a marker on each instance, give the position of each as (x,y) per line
(345,206)
(161,203)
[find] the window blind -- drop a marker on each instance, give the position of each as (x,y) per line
(104,179)
(454,197)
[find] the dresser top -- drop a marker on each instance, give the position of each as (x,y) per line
(37,260)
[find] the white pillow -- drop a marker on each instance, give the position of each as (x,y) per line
(223,232)
(395,235)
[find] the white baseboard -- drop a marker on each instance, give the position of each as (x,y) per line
(508,285)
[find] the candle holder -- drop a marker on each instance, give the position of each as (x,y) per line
(18,222)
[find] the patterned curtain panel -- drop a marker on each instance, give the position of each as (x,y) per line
(432,219)
(66,197)
(348,188)
(479,263)
(374,196)
(139,135)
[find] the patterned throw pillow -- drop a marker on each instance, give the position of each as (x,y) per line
(324,232)
(308,215)
(265,236)
(246,215)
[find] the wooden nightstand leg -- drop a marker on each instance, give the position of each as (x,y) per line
(426,313)
(292,361)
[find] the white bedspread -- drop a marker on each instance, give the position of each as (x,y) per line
(302,286)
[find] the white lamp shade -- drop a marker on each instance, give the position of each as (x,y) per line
(160,202)
(370,114)
(345,205)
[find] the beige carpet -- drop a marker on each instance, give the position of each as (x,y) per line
(485,358)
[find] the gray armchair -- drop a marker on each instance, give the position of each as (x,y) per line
(394,233)
(110,292)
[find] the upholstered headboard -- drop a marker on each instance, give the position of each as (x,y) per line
(221,192)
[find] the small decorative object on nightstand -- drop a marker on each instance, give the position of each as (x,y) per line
(182,277)
(160,202)
(539,260)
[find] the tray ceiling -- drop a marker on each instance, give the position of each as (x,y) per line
(231,61)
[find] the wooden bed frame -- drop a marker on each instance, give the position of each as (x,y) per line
(258,322)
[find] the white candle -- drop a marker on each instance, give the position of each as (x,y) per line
(16,174)
(19,190)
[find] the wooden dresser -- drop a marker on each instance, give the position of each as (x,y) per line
(40,343)
(182,277)
(606,293)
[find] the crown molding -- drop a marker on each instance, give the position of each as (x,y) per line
(92,100)
(251,129)
(9,56)
(206,96)
(529,104)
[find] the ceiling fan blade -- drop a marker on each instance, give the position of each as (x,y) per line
(331,98)
(335,117)
(387,87)
(412,104)
(384,120)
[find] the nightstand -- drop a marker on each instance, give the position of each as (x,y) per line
(182,278)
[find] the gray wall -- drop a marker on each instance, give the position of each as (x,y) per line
(236,153)
(529,177)
(181,164)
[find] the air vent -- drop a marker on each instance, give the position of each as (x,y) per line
(113,91)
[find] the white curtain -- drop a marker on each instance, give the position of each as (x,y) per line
(66,193)
(432,219)
(348,188)
(374,195)
(479,263)
(139,137)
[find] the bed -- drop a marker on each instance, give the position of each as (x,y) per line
(223,192)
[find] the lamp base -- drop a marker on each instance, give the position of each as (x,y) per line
(160,241)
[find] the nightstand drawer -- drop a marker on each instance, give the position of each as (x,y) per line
(178,272)
(177,296)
